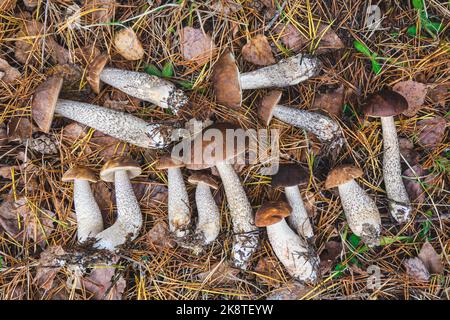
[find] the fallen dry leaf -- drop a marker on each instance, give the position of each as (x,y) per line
(48,267)
(416,269)
(226,7)
(159,236)
(103,197)
(431,259)
(107,146)
(309,200)
(293,291)
(258,51)
(101,11)
(431,131)
(331,102)
(74,131)
(412,185)
(414,93)
(5,171)
(268,268)
(9,73)
(128,44)
(20,129)
(410,155)
(439,94)
(220,274)
(196,46)
(102,283)
(328,255)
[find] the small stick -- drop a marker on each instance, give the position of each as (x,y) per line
(275,16)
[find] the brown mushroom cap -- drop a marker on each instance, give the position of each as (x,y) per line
(385,103)
(289,175)
(203,152)
(167,162)
(341,175)
(95,69)
(272,212)
(198,177)
(80,173)
(268,102)
(109,168)
(44,102)
(226,81)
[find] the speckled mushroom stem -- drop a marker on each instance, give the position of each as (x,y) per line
(120,125)
(178,203)
(129,217)
(145,87)
(246,233)
(298,219)
(285,73)
(89,217)
(294,253)
(325,128)
(361,212)
(399,204)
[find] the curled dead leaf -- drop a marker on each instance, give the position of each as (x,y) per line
(20,129)
(330,252)
(407,151)
(416,269)
(101,11)
(331,102)
(48,267)
(431,131)
(128,44)
(220,273)
(226,7)
(159,236)
(411,179)
(9,73)
(103,284)
(268,268)
(196,46)
(439,93)
(258,51)
(431,259)
(414,93)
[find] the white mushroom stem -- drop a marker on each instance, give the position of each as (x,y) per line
(145,87)
(245,232)
(298,258)
(208,225)
(89,217)
(298,219)
(178,203)
(129,217)
(399,204)
(120,125)
(325,128)
(361,212)
(285,73)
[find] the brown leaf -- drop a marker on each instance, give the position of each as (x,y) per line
(103,11)
(414,92)
(122,102)
(196,46)
(108,146)
(226,7)
(330,102)
(3,136)
(416,269)
(103,197)
(293,291)
(439,94)
(128,44)
(20,129)
(74,131)
(268,267)
(220,274)
(48,267)
(5,171)
(431,131)
(8,216)
(159,236)
(310,203)
(10,73)
(407,151)
(101,283)
(431,259)
(412,185)
(328,255)
(258,51)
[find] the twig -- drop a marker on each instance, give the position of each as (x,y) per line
(275,16)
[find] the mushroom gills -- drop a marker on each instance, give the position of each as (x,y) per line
(89,217)
(298,258)
(178,203)
(399,204)
(145,87)
(246,235)
(129,217)
(123,126)
(361,212)
(298,219)
(285,73)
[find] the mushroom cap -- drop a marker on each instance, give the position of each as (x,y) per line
(341,175)
(109,168)
(226,81)
(80,173)
(268,102)
(95,69)
(167,162)
(289,175)
(207,179)
(228,149)
(384,103)
(44,102)
(272,212)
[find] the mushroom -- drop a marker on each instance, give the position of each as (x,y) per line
(325,128)
(360,210)
(386,104)
(89,217)
(129,217)
(293,251)
(117,124)
(140,85)
(290,176)
(178,202)
(208,224)
(229,82)
(220,153)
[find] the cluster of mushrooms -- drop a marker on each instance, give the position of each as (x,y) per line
(291,237)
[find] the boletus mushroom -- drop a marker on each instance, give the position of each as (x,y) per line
(289,176)
(129,217)
(117,124)
(229,82)
(325,128)
(293,251)
(386,104)
(221,152)
(89,217)
(158,91)
(179,212)
(360,210)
